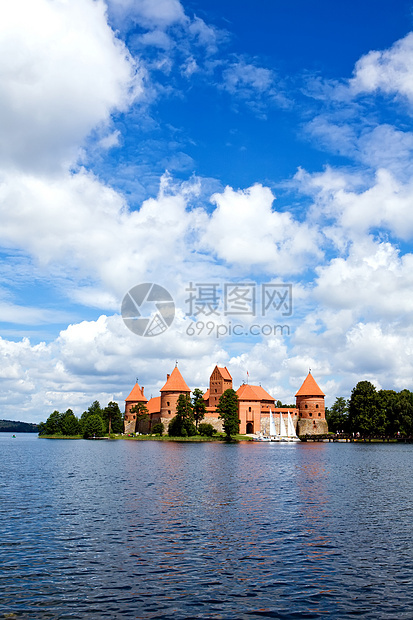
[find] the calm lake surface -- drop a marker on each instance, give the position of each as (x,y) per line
(122,529)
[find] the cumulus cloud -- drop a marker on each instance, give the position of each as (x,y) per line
(245,230)
(389,71)
(374,281)
(62,73)
(343,197)
(76,221)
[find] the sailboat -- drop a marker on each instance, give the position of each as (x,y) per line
(287,434)
(291,430)
(283,432)
(273,432)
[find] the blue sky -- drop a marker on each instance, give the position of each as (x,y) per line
(213,143)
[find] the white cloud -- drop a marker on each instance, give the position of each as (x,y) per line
(244,230)
(77,222)
(149,13)
(257,86)
(156,38)
(62,73)
(245,78)
(389,71)
(26,315)
(344,197)
(374,282)
(204,35)
(110,140)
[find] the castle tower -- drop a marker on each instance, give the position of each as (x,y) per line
(136,396)
(249,407)
(311,408)
(219,381)
(174,386)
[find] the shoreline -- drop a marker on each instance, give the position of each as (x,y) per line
(194,439)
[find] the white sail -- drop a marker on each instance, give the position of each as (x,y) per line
(283,432)
(291,429)
(273,432)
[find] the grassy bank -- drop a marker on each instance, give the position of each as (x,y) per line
(196,438)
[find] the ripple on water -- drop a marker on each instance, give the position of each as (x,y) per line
(151,530)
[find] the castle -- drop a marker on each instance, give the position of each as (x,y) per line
(253,401)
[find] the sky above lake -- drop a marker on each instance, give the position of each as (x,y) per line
(253,159)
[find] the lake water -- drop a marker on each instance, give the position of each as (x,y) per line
(123,529)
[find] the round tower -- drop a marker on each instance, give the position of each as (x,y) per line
(173,388)
(135,397)
(311,408)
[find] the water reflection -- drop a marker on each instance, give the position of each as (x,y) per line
(155,530)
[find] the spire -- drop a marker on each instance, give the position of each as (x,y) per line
(175,382)
(136,395)
(310,387)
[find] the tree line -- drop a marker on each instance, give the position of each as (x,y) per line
(95,422)
(12,426)
(371,412)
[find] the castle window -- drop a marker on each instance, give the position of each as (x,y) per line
(319,414)
(306,406)
(249,408)
(310,414)
(167,404)
(316,406)
(169,412)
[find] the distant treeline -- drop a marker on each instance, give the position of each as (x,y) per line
(10,426)
(371,412)
(95,422)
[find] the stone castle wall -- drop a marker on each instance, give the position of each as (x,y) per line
(317,426)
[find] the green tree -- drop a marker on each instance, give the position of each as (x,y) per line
(93,426)
(53,424)
(366,414)
(93,409)
(142,417)
(198,406)
(337,416)
(158,428)
(406,412)
(206,429)
(228,412)
(112,418)
(182,424)
(399,411)
(70,424)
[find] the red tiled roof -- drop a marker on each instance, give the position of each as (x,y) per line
(261,393)
(136,395)
(309,387)
(206,395)
(225,373)
(154,404)
(175,382)
(245,392)
(253,392)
